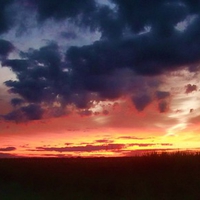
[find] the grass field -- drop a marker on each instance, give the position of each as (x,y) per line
(151,177)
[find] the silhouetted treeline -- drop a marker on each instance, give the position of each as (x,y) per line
(150,177)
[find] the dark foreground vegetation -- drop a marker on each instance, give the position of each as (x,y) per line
(150,177)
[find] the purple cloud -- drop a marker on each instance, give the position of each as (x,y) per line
(87,148)
(8,149)
(190,88)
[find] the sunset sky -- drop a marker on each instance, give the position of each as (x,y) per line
(99,77)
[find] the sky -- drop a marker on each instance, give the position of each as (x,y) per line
(99,77)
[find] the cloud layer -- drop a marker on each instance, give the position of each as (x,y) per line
(139,40)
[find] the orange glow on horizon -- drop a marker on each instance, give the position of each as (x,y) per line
(123,131)
(94,142)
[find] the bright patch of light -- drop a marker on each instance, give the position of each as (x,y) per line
(102,105)
(183,106)
(147,29)
(182,26)
(7,74)
(173,131)
(107,3)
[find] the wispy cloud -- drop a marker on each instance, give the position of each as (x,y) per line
(132,138)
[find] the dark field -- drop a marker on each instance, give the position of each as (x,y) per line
(162,177)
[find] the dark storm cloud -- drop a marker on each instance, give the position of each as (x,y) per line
(139,13)
(62,9)
(69,35)
(5,48)
(8,149)
(44,77)
(6,17)
(16,102)
(162,94)
(86,13)
(162,106)
(102,70)
(39,75)
(134,15)
(145,55)
(24,113)
(14,115)
(163,48)
(17,65)
(141,102)
(32,111)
